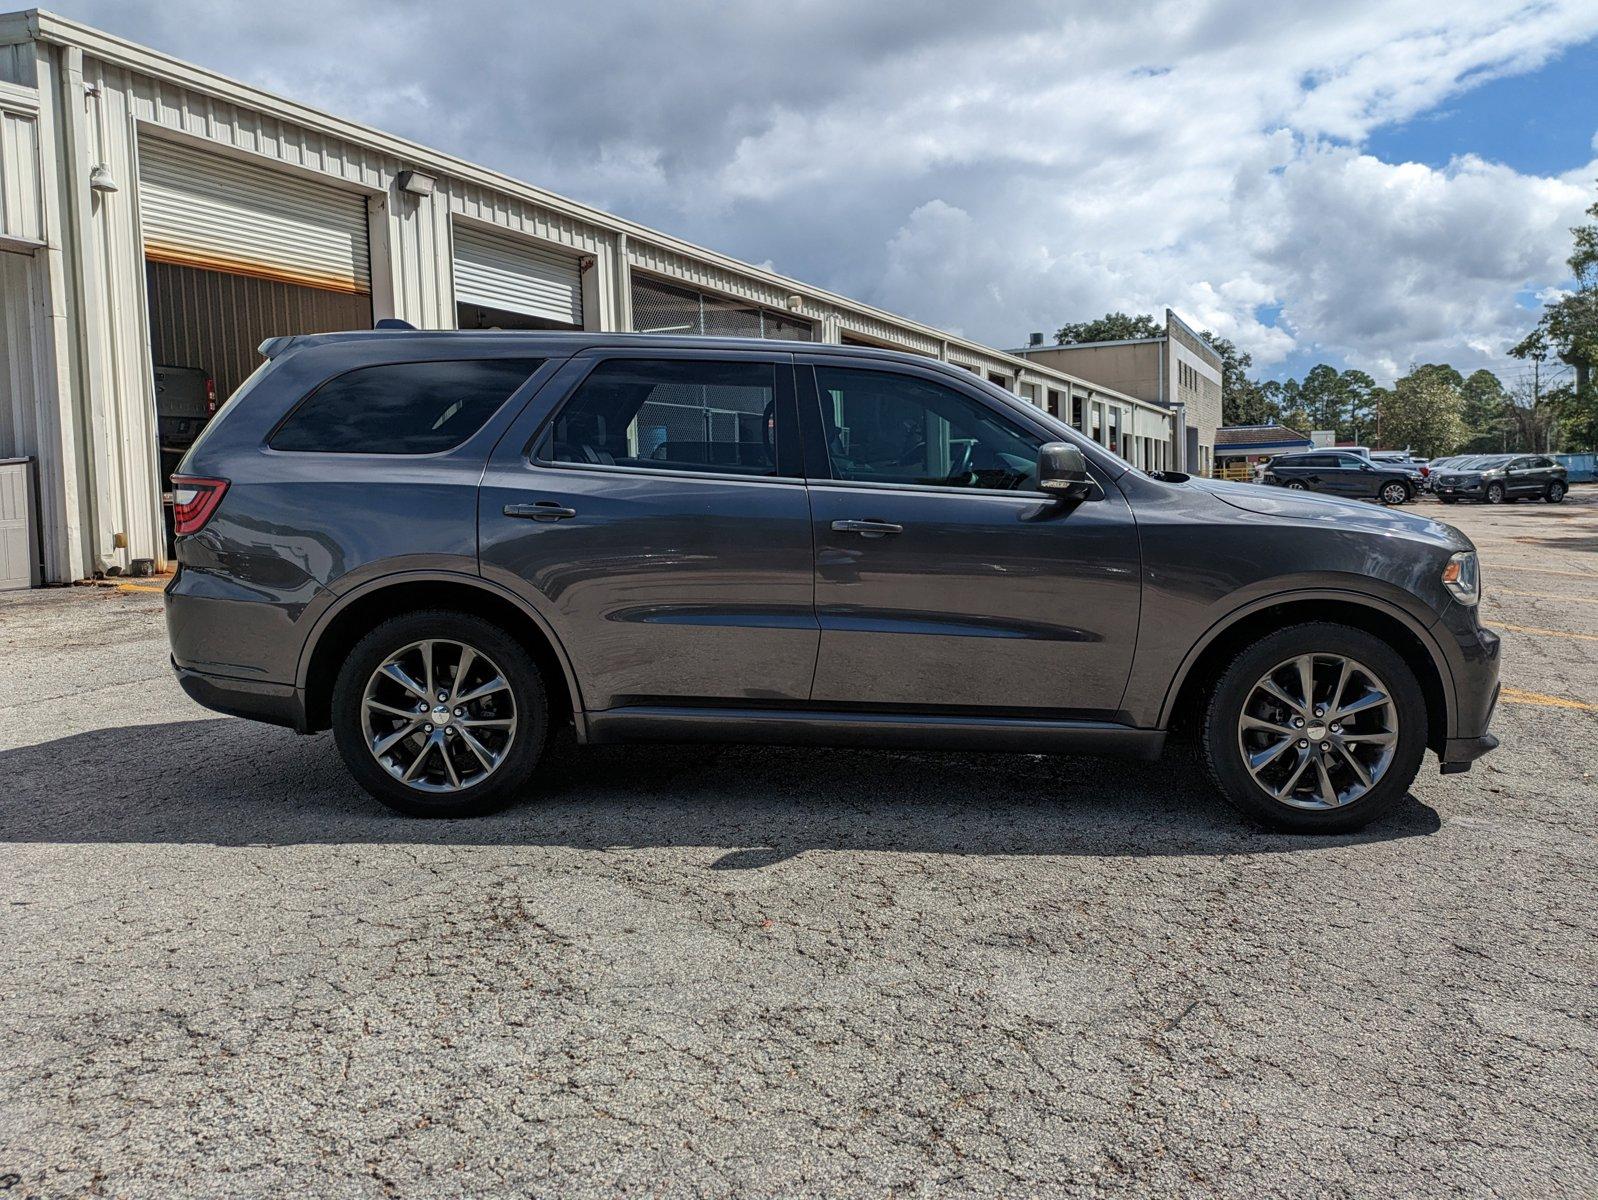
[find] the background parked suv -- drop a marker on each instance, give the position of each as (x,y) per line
(441,545)
(1496,478)
(1339,473)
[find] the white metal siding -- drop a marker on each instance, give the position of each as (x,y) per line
(17,561)
(211,211)
(20,202)
(516,276)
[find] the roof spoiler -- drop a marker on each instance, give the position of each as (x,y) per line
(274,346)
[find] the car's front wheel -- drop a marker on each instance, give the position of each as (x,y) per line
(1395,493)
(440,714)
(1317,728)
(1496,493)
(1555,493)
(1296,486)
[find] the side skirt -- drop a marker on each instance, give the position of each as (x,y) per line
(906,731)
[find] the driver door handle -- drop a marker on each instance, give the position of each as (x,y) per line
(544,510)
(870,529)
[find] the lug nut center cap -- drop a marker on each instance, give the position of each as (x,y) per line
(441,714)
(1315,732)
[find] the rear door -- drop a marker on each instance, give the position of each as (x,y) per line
(656,515)
(944,579)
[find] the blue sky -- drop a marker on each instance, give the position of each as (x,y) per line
(1367,182)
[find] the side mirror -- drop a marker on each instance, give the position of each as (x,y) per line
(1062,471)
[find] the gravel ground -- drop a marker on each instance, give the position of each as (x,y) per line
(688,971)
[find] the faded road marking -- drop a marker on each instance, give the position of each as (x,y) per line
(1565,633)
(1544,596)
(1515,696)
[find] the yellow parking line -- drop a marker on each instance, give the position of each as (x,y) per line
(1584,637)
(1545,596)
(1515,696)
(1589,576)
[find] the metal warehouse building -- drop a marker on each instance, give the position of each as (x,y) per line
(156,215)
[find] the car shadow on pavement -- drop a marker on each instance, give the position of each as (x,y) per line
(228,782)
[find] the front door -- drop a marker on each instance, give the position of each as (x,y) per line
(657,518)
(944,578)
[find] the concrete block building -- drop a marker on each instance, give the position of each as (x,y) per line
(1178,371)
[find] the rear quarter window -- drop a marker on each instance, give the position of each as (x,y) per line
(402,408)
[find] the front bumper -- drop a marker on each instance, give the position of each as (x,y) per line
(1467,491)
(253,699)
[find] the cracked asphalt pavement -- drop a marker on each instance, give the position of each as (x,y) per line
(688,971)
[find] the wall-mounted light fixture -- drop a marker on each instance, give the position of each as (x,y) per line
(796,303)
(415,183)
(100,179)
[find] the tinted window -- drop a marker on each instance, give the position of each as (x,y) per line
(402,408)
(668,414)
(886,428)
(1317,460)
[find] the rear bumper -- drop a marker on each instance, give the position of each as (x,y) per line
(253,699)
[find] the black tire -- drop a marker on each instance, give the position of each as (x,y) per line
(1556,492)
(521,756)
(1495,493)
(1448,499)
(1224,754)
(1395,493)
(1295,486)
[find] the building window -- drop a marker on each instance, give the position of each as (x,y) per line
(1056,403)
(1076,413)
(660,308)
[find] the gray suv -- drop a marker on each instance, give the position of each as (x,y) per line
(442,545)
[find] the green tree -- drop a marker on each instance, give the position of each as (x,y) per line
(1421,413)
(1361,395)
(1485,409)
(1568,329)
(1111,327)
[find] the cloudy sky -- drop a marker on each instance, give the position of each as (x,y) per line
(1366,183)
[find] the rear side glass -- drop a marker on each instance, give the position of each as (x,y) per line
(402,408)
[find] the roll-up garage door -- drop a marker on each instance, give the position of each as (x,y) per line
(516,276)
(206,210)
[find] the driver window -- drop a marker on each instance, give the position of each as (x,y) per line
(670,414)
(886,428)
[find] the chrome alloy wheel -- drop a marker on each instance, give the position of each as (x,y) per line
(438,716)
(1394,493)
(1318,731)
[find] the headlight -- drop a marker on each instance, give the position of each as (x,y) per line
(1462,577)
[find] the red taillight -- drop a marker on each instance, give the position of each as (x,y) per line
(193,502)
(1425,471)
(210,394)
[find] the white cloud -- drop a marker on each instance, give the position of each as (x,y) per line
(990,168)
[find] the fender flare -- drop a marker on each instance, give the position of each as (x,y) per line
(1363,599)
(328,615)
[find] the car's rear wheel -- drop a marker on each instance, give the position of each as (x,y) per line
(1395,493)
(1296,486)
(440,714)
(1448,499)
(1318,728)
(1495,493)
(1555,493)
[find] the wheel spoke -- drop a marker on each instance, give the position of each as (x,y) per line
(1264,758)
(1380,738)
(468,657)
(1373,699)
(1286,789)
(1270,688)
(1261,725)
(398,674)
(496,684)
(384,744)
(421,757)
(484,755)
(1306,681)
(1328,792)
(427,669)
(1342,682)
(389,710)
(1354,764)
(486,722)
(449,764)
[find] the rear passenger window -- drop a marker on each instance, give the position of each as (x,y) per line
(402,408)
(671,415)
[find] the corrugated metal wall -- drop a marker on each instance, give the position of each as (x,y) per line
(21,216)
(215,321)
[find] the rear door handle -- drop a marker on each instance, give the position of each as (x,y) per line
(870,529)
(544,510)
